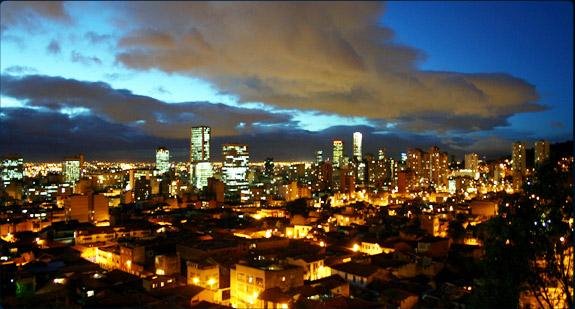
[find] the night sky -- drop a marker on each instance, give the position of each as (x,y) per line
(114,80)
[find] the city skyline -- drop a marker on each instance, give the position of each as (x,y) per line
(75,82)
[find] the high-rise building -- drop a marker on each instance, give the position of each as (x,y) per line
(519,159)
(72,168)
(357,145)
(202,171)
(12,169)
(162,160)
(541,152)
(415,162)
(472,162)
(200,167)
(200,144)
(337,153)
(437,167)
(269,168)
(235,170)
(319,156)
(381,154)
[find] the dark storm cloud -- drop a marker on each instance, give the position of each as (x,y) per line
(85,60)
(123,107)
(29,14)
(41,135)
(332,57)
(53,47)
(96,38)
(50,135)
(19,69)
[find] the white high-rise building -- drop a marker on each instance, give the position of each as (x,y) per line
(202,171)
(357,145)
(72,169)
(162,160)
(337,153)
(200,156)
(200,144)
(235,170)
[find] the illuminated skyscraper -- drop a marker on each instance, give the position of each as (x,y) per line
(72,168)
(541,152)
(337,153)
(200,167)
(415,162)
(472,162)
(357,145)
(437,167)
(162,160)
(235,170)
(12,170)
(381,154)
(519,159)
(202,171)
(200,144)
(319,156)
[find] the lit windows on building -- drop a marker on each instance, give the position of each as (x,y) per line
(235,170)
(72,169)
(337,153)
(519,159)
(472,162)
(541,152)
(202,171)
(12,170)
(162,160)
(319,156)
(357,145)
(200,144)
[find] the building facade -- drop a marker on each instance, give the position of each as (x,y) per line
(162,160)
(235,170)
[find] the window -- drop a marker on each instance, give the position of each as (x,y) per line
(250,279)
(225,294)
(259,281)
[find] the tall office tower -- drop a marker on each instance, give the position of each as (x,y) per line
(382,169)
(235,170)
(72,168)
(319,156)
(200,144)
(200,167)
(437,167)
(202,171)
(357,145)
(541,152)
(337,153)
(269,168)
(381,154)
(162,160)
(519,159)
(415,162)
(472,162)
(373,176)
(403,160)
(12,169)
(393,172)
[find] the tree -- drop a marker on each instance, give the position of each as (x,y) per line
(528,247)
(297,207)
